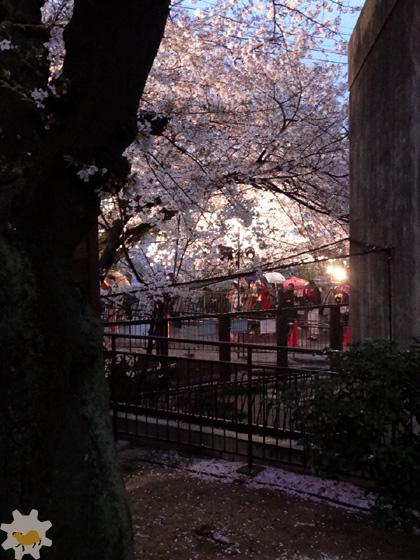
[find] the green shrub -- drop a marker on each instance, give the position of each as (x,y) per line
(365,419)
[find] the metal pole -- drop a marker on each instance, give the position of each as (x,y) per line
(114,395)
(249,469)
(336,335)
(281,336)
(224,336)
(249,379)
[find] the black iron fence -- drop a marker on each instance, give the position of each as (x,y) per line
(241,405)
(313,328)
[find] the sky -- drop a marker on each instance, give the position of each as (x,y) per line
(349,21)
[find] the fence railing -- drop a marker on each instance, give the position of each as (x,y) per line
(313,328)
(242,407)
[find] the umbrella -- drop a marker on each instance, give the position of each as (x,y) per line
(275,277)
(297,282)
(226,284)
(254,277)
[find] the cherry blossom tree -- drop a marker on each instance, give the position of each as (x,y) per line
(67,118)
(238,105)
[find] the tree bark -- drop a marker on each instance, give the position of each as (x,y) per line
(56,447)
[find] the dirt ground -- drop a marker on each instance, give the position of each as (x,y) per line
(184,517)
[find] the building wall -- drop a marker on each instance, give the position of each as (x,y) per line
(384,82)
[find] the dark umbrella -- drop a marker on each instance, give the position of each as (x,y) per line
(254,277)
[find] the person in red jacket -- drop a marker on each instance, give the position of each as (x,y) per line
(263,299)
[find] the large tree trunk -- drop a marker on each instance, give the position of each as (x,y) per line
(56,448)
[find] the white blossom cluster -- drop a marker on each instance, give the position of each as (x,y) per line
(86,173)
(56,15)
(39,95)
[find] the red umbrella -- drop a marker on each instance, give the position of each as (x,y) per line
(297,282)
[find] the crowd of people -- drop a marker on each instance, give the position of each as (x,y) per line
(262,296)
(255,295)
(258,296)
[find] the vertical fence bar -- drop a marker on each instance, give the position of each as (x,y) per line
(114,388)
(336,334)
(237,416)
(162,344)
(281,337)
(249,391)
(224,349)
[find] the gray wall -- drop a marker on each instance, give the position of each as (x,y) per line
(384,82)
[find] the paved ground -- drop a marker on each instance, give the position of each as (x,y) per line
(188,509)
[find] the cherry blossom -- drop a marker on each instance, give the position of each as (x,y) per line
(242,136)
(255,139)
(5,45)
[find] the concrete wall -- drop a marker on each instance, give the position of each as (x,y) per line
(384,81)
